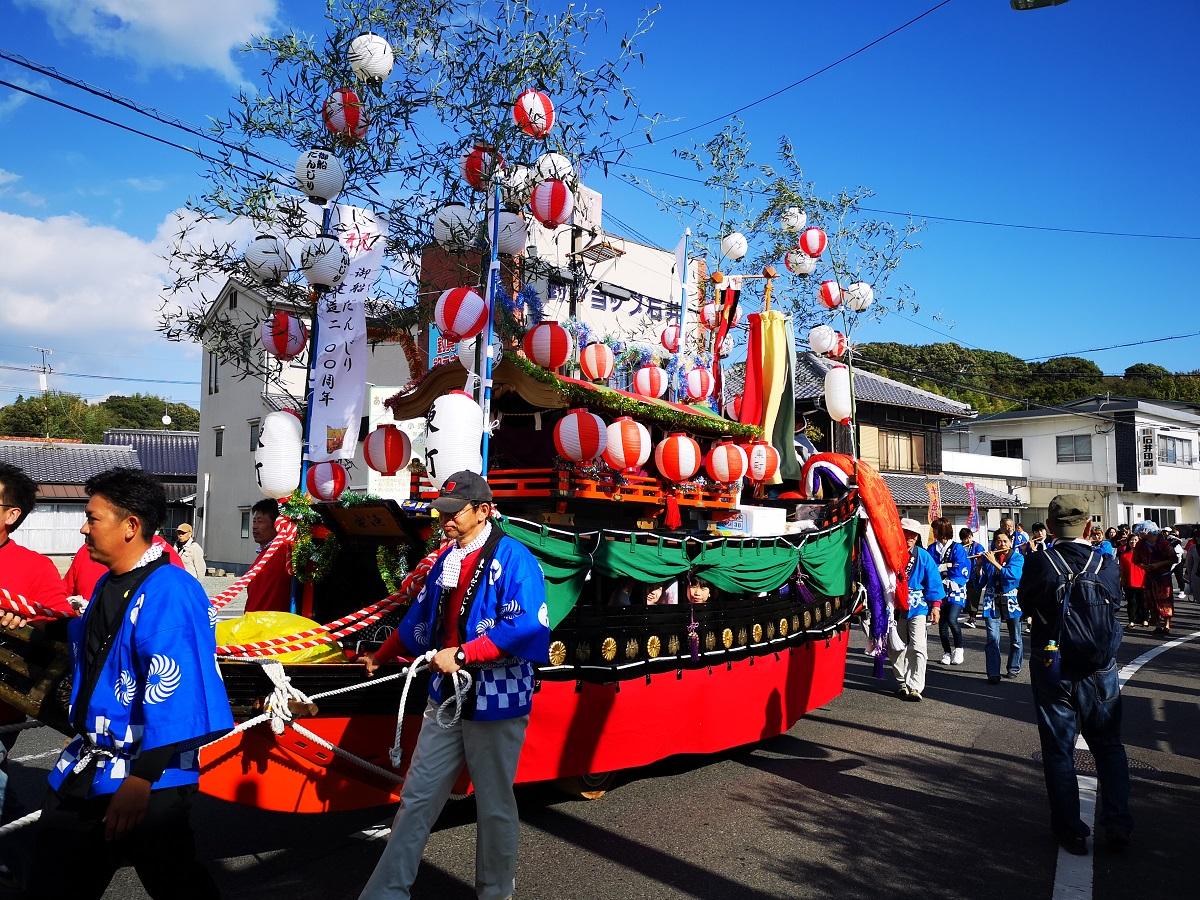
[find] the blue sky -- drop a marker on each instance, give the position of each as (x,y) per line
(1080,116)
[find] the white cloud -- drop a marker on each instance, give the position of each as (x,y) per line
(29,198)
(157,34)
(146,185)
(7,177)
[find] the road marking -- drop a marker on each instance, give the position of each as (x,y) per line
(1073,874)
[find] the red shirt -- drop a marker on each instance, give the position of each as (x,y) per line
(84,572)
(271,589)
(1132,575)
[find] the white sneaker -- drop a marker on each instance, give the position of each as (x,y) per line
(945,659)
(957,659)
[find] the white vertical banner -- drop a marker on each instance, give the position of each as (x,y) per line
(339,376)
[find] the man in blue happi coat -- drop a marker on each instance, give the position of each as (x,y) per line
(483,608)
(147,695)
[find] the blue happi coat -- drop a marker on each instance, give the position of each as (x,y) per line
(509,606)
(956,577)
(1000,587)
(924,584)
(158,686)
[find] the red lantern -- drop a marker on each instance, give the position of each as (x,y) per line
(710,316)
(460,313)
(733,408)
(628,444)
(830,294)
(326,480)
(762,460)
(479,164)
(670,339)
(548,345)
(650,381)
(534,114)
(344,116)
(387,449)
(283,335)
(699,385)
(726,462)
(552,203)
(813,242)
(580,436)
(597,361)
(677,457)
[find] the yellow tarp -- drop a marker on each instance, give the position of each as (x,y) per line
(262,626)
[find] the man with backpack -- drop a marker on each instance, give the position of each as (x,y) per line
(1075,595)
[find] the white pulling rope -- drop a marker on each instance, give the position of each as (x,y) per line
(17,824)
(462,683)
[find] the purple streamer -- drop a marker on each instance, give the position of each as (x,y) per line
(876,601)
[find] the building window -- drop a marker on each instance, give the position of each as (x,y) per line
(1175,451)
(214,366)
(1013,448)
(245,523)
(956,441)
(233,299)
(255,428)
(1162,515)
(901,451)
(218,441)
(1074,448)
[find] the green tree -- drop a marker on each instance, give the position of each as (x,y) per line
(146,411)
(54,415)
(1063,379)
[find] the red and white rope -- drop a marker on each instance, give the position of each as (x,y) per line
(31,609)
(285,536)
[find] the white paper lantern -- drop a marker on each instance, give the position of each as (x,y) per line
(267,259)
(859,296)
(454,227)
(553,167)
(277,456)
(799,263)
(822,339)
(734,246)
(466,353)
(837,394)
(513,233)
(453,435)
(371,57)
(320,175)
(324,262)
(516,186)
(793,219)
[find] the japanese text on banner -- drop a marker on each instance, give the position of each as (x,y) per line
(935,499)
(973,515)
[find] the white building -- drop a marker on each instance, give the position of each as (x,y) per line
(1134,459)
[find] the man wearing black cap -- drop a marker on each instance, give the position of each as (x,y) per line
(1073,696)
(483,609)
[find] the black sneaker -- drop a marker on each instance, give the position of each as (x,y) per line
(1115,840)
(1075,845)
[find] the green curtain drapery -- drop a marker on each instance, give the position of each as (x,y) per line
(565,562)
(825,559)
(746,567)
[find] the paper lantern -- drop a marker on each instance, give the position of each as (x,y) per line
(277,456)
(628,444)
(813,241)
(799,263)
(830,294)
(371,58)
(699,385)
(726,462)
(267,259)
(733,408)
(734,245)
(320,175)
(580,436)
(548,344)
(552,203)
(553,167)
(324,262)
(453,435)
(466,353)
(516,187)
(650,381)
(326,480)
(726,346)
(283,335)
(710,316)
(534,114)
(512,234)
(825,341)
(860,296)
(597,360)
(762,461)
(479,163)
(838,401)
(343,115)
(677,457)
(793,219)
(670,338)
(460,313)
(454,227)
(387,449)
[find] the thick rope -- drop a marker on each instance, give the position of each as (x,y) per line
(31,609)
(18,824)
(462,684)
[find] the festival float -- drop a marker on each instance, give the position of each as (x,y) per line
(613,491)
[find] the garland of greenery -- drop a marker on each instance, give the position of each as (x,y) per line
(393,567)
(313,555)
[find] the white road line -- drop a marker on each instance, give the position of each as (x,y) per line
(1073,874)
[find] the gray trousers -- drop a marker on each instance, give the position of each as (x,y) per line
(491,751)
(909,663)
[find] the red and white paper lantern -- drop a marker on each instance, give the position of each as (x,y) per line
(580,436)
(343,115)
(650,381)
(677,457)
(813,241)
(597,360)
(710,316)
(326,480)
(628,444)
(670,338)
(698,385)
(733,408)
(726,462)
(762,461)
(799,263)
(283,335)
(479,163)
(548,344)
(534,113)
(838,397)
(460,313)
(552,203)
(830,294)
(387,449)
(827,342)
(860,296)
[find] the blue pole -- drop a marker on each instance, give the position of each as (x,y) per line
(485,387)
(682,317)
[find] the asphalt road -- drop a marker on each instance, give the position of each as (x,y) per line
(867,797)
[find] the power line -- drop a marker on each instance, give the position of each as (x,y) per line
(1172,337)
(100,377)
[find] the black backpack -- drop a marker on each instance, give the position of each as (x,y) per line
(1088,630)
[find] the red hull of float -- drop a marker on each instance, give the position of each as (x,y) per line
(592,728)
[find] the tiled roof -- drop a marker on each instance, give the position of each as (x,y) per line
(909,490)
(162,452)
(51,463)
(868,387)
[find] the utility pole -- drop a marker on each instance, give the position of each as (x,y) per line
(44,370)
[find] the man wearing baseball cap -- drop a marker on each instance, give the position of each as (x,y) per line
(909,644)
(483,609)
(189,551)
